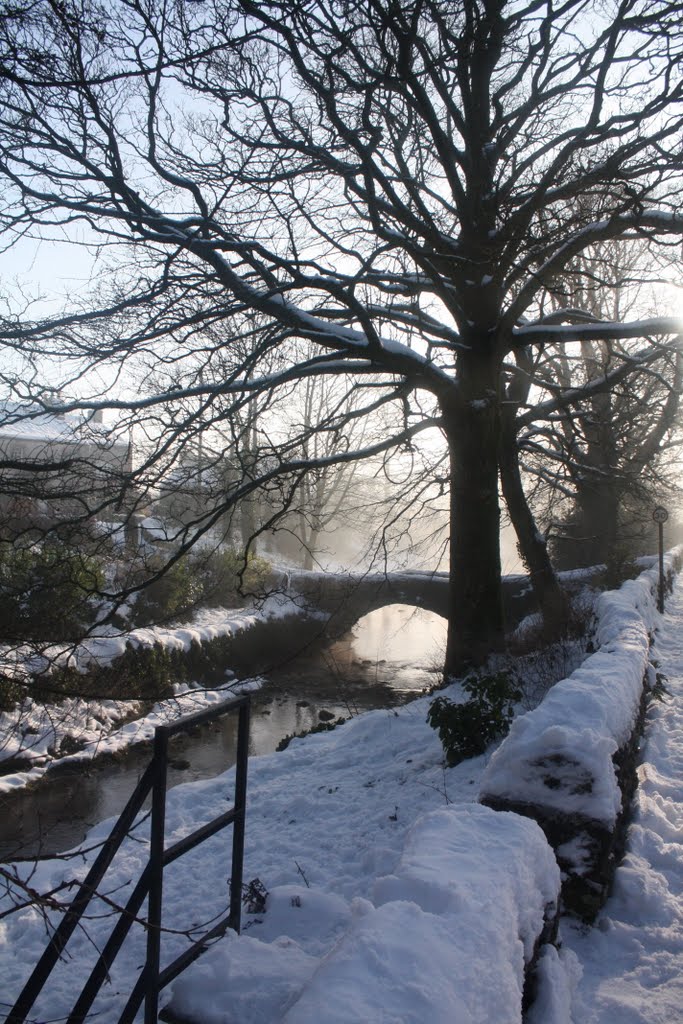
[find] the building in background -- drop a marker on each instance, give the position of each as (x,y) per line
(56,465)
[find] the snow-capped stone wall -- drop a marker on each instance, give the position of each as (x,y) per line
(452,935)
(571,762)
(456,928)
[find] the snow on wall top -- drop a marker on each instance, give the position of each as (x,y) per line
(451,930)
(559,756)
(444,940)
(459,856)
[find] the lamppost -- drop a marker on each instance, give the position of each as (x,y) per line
(660,516)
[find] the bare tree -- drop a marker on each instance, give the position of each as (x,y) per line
(323,495)
(598,456)
(602,463)
(394,183)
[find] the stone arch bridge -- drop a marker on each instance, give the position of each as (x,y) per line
(346,597)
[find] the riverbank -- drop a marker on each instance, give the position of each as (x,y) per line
(385,661)
(326,819)
(221,651)
(37,735)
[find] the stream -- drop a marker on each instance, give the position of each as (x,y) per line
(391,655)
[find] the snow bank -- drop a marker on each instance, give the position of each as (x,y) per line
(36,734)
(632,960)
(560,762)
(96,727)
(207,624)
(448,937)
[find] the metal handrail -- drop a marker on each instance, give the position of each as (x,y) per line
(150,884)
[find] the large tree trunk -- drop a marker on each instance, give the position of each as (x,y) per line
(598,490)
(472,428)
(552,601)
(598,503)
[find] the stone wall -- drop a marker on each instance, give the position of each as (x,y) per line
(571,763)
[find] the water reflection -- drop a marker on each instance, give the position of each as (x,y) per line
(389,655)
(400,645)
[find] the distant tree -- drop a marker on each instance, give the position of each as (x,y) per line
(396,184)
(600,457)
(322,496)
(604,461)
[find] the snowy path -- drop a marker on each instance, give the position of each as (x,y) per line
(632,961)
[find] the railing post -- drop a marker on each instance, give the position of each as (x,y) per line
(242,762)
(156,869)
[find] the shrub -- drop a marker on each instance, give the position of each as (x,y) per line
(544,656)
(171,595)
(620,566)
(466,729)
(226,576)
(47,591)
(221,577)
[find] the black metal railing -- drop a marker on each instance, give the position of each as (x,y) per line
(150,884)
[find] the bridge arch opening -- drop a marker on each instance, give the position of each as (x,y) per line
(411,639)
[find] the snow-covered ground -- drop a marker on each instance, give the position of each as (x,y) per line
(356,910)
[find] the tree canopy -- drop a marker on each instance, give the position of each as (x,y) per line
(390,193)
